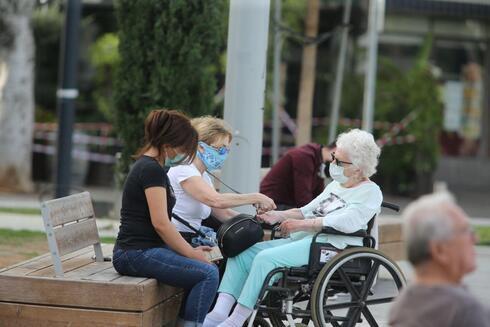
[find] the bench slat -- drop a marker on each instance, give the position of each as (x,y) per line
(84,293)
(40,263)
(16,314)
(129,279)
(76,236)
(87,270)
(69,209)
(105,275)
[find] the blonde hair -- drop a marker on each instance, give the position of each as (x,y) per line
(211,129)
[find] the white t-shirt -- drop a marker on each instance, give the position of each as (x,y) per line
(345,209)
(186,207)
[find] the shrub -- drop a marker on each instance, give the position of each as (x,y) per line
(168,51)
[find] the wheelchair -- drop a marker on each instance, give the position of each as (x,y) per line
(337,287)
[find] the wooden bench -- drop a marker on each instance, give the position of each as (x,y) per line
(70,286)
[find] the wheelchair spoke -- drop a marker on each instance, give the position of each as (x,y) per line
(353,314)
(379,301)
(369,317)
(348,283)
(370,280)
(337,306)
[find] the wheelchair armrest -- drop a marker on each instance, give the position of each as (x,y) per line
(333,231)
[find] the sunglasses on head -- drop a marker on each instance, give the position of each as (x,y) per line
(338,162)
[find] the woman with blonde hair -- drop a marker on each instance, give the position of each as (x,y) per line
(196,196)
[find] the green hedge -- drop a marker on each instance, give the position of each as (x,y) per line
(168,53)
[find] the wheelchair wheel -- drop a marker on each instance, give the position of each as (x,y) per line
(340,277)
(258,322)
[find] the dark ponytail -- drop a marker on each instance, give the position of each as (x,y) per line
(171,128)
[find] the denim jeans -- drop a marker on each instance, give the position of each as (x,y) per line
(198,279)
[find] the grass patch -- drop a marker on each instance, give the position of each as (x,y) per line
(18,237)
(21,211)
(483,233)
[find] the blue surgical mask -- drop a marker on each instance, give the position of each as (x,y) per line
(175,161)
(212,158)
(337,173)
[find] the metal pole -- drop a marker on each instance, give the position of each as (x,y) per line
(246,70)
(276,123)
(339,74)
(370,80)
(66,94)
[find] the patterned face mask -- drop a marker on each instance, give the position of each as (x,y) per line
(211,157)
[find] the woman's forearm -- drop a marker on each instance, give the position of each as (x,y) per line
(174,240)
(291,214)
(228,200)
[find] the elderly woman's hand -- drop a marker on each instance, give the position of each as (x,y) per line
(292,225)
(271,217)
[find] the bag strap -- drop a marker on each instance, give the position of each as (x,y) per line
(186,223)
(229,187)
(219,180)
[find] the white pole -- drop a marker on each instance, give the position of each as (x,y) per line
(276,123)
(370,79)
(339,75)
(248,30)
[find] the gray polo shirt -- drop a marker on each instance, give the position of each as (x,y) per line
(438,306)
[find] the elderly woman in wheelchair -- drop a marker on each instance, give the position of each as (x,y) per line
(283,271)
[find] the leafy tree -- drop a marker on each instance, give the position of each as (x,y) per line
(104,56)
(168,50)
(404,168)
(47,23)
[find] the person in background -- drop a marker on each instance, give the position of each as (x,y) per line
(196,197)
(298,177)
(440,246)
(148,245)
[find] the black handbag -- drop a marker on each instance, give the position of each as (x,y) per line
(238,234)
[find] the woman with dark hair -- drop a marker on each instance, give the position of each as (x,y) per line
(148,245)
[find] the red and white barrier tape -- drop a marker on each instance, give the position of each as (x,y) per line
(78,154)
(389,136)
(290,123)
(102,127)
(79,138)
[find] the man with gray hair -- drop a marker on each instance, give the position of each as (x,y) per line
(440,246)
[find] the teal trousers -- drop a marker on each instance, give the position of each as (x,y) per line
(245,273)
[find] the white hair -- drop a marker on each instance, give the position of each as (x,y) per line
(361,149)
(427,219)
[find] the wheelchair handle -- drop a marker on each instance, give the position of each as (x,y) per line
(391,206)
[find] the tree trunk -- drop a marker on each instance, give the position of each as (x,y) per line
(307,82)
(16,94)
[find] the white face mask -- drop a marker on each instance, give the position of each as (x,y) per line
(337,173)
